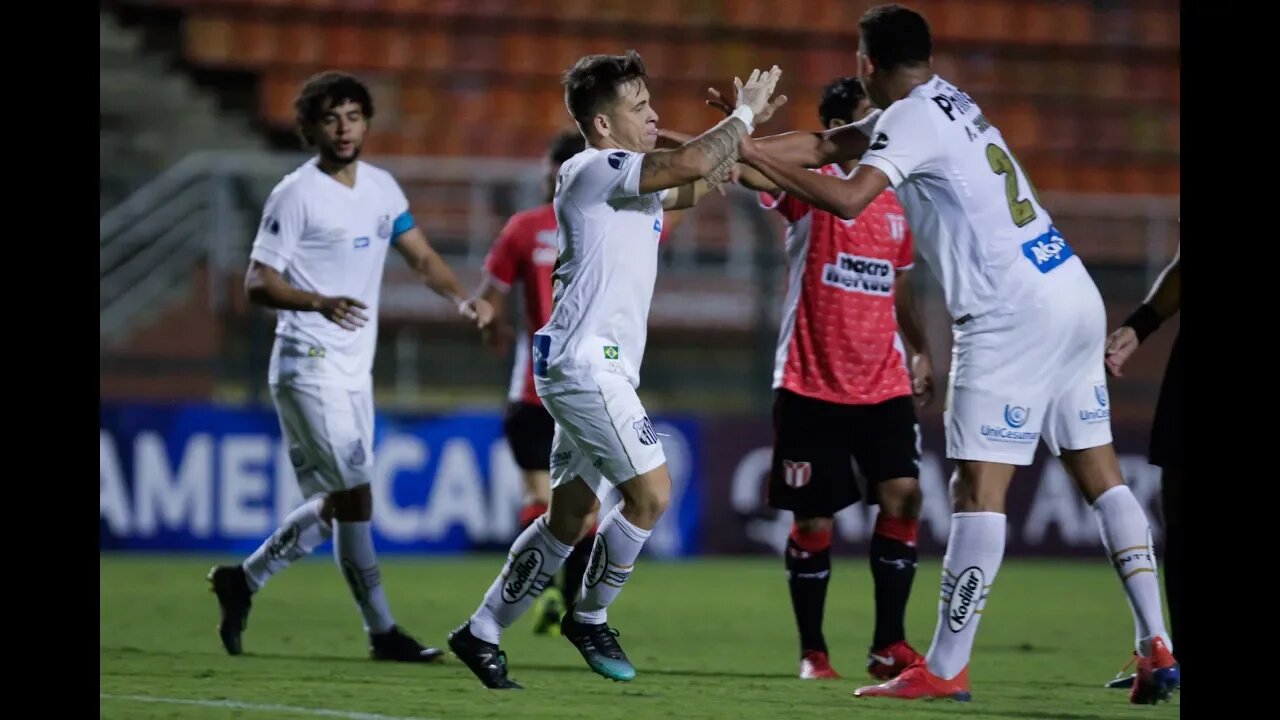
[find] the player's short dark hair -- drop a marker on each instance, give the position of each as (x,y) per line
(894,36)
(566,145)
(326,90)
(840,99)
(591,85)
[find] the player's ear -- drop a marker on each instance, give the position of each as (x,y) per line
(601,124)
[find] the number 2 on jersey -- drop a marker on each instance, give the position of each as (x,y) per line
(1021,209)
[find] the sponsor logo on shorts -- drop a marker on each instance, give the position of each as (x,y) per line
(1102,413)
(1015,416)
(522,574)
(561,459)
(541,353)
(644,431)
(964,598)
(855,273)
(356,457)
(796,474)
(1048,251)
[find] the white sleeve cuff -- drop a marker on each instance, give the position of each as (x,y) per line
(895,176)
(269,257)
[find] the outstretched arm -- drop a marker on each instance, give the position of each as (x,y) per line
(811,149)
(843,198)
(424,260)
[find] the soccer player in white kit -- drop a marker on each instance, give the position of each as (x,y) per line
(318,260)
(1029,334)
(609,205)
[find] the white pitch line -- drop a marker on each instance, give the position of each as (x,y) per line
(237,705)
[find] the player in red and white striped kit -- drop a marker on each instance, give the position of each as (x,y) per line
(525,254)
(843,391)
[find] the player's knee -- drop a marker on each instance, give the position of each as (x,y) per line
(354,505)
(646,498)
(974,490)
(327,509)
(573,512)
(901,498)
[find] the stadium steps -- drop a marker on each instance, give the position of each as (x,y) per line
(151,116)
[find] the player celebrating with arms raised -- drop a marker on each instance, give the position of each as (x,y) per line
(609,210)
(1030,331)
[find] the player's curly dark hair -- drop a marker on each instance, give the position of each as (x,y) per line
(894,36)
(591,85)
(565,145)
(840,99)
(325,90)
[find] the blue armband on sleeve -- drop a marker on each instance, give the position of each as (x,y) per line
(402,225)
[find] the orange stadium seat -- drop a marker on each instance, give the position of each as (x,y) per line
(302,42)
(207,39)
(520,99)
(1158,28)
(254,42)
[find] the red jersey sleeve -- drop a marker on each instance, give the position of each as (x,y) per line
(789,207)
(504,258)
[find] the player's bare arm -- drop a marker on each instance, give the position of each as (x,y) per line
(843,198)
(1162,303)
(810,149)
(424,260)
(744,175)
(920,366)
(711,154)
(264,286)
(498,333)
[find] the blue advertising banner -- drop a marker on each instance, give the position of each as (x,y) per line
(205,478)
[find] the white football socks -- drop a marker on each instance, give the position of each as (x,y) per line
(975,549)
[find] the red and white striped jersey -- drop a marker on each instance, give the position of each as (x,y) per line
(838,340)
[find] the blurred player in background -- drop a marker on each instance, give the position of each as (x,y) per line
(524,254)
(318,260)
(1163,302)
(1029,338)
(586,360)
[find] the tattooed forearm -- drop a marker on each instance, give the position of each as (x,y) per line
(719,144)
(698,158)
(720,174)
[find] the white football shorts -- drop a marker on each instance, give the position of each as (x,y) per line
(1031,375)
(329,431)
(603,436)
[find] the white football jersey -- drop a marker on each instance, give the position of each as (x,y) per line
(607,262)
(330,239)
(976,218)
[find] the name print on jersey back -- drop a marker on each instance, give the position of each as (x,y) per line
(979,222)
